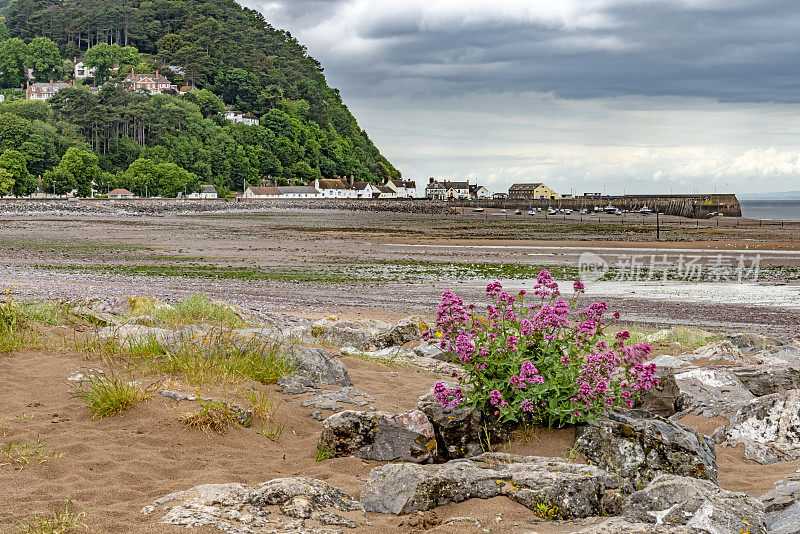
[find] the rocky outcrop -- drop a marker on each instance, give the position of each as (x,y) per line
(785,521)
(320,366)
(640,446)
(786,353)
(331,400)
(458,429)
(674,500)
(781,497)
(382,436)
(660,400)
(710,391)
(718,351)
(247,509)
(546,485)
(620,525)
(768,427)
(296,385)
(766,379)
(430,350)
(408,329)
(359,334)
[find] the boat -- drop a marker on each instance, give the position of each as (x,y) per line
(551,211)
(611,210)
(617,212)
(531,211)
(479,210)
(567,211)
(597,209)
(645,210)
(518,212)
(539,210)
(584,211)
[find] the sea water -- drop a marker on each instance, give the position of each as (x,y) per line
(784,210)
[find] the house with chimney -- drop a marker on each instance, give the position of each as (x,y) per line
(447,190)
(479,192)
(81,71)
(263,192)
(403,188)
(45,91)
(365,189)
(336,188)
(152,83)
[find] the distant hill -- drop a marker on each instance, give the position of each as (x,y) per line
(781,195)
(307,131)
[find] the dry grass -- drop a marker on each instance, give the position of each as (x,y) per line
(263,405)
(21,455)
(60,521)
(193,310)
(213,416)
(106,396)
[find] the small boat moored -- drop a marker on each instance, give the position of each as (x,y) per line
(645,210)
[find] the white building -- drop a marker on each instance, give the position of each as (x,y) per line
(479,192)
(335,188)
(300,191)
(386,192)
(263,192)
(82,72)
(365,189)
(244,118)
(444,190)
(403,188)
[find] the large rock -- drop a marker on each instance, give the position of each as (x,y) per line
(751,343)
(640,446)
(320,366)
(769,428)
(710,391)
(786,521)
(408,329)
(675,500)
(771,378)
(620,525)
(660,400)
(458,429)
(787,353)
(361,335)
(431,350)
(245,508)
(566,490)
(718,351)
(382,436)
(781,497)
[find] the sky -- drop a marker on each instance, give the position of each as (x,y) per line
(607,96)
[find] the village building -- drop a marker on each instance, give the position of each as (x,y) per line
(445,190)
(300,191)
(152,83)
(531,191)
(384,191)
(81,72)
(365,189)
(44,91)
(335,188)
(403,188)
(244,118)
(263,192)
(120,193)
(479,192)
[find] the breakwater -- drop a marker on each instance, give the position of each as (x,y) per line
(692,206)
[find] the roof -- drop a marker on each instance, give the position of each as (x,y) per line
(330,183)
(475,187)
(206,188)
(448,185)
(264,191)
(299,189)
(360,186)
(49,87)
(384,189)
(155,78)
(249,116)
(408,184)
(534,185)
(120,192)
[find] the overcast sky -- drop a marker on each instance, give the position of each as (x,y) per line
(586,95)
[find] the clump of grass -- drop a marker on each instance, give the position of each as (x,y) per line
(391,361)
(15,332)
(105,396)
(193,310)
(215,416)
(60,521)
(263,405)
(44,312)
(20,455)
(324,451)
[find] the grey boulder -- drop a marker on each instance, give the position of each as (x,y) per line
(244,509)
(320,366)
(786,521)
(766,379)
(710,391)
(781,497)
(568,490)
(718,351)
(640,446)
(674,500)
(620,525)
(769,428)
(408,329)
(381,436)
(430,350)
(458,429)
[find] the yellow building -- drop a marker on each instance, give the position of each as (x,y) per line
(533,191)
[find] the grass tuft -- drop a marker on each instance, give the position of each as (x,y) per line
(324,451)
(193,310)
(21,455)
(43,312)
(15,332)
(60,521)
(105,396)
(213,416)
(264,407)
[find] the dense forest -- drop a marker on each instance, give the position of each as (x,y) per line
(229,55)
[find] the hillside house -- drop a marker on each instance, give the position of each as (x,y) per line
(152,83)
(120,193)
(335,188)
(263,192)
(244,118)
(531,191)
(403,188)
(81,72)
(44,91)
(365,189)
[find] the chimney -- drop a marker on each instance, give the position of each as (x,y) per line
(351,181)
(430,180)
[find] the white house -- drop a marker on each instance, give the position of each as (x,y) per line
(444,190)
(403,188)
(82,72)
(300,191)
(479,192)
(386,192)
(244,118)
(120,193)
(263,192)
(335,188)
(365,189)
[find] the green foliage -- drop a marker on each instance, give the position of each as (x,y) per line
(196,309)
(14,165)
(13,53)
(60,521)
(213,416)
(103,57)
(105,396)
(324,451)
(44,60)
(14,331)
(20,455)
(78,169)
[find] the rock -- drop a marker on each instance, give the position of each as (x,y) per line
(640,446)
(382,436)
(786,521)
(296,384)
(127,333)
(94,313)
(320,366)
(317,415)
(779,354)
(781,497)
(620,525)
(361,335)
(408,329)
(770,378)
(331,399)
(576,490)
(768,427)
(719,350)
(751,342)
(244,509)
(710,392)
(458,429)
(665,361)
(674,500)
(660,400)
(85,375)
(430,350)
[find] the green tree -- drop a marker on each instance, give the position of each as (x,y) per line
(44,60)
(13,53)
(59,181)
(14,130)
(13,162)
(6,182)
(82,166)
(210,104)
(4,33)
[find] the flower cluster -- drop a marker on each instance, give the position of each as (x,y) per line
(548,362)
